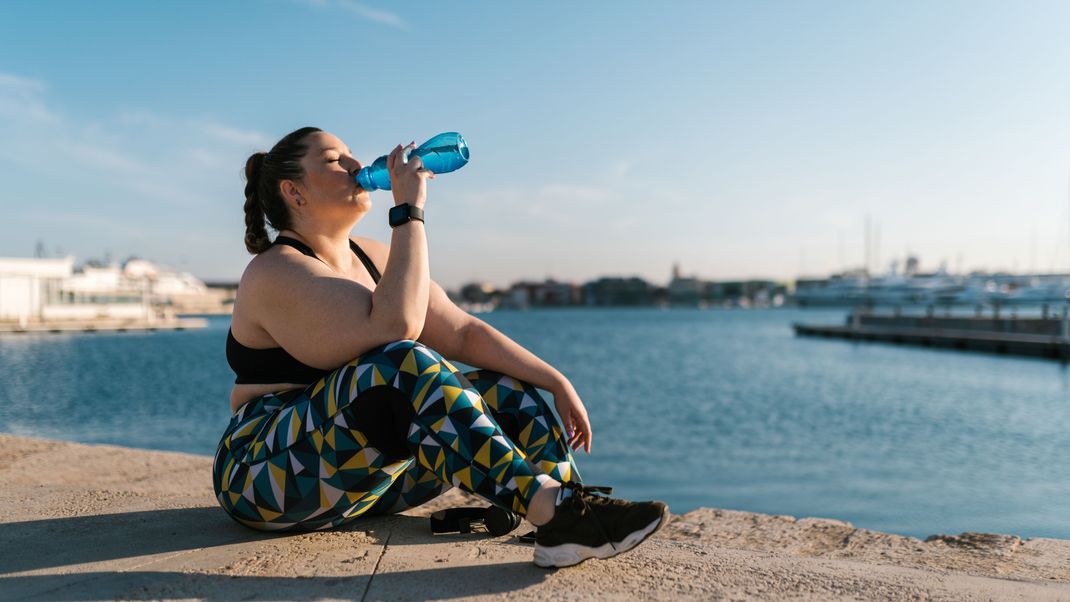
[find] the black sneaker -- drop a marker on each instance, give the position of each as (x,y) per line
(586,525)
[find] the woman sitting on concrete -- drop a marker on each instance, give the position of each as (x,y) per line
(345,404)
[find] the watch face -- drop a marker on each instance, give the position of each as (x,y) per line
(399,215)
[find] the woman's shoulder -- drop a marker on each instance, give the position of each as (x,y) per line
(278,265)
(283,290)
(379,252)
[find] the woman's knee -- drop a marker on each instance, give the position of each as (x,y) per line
(409,345)
(396,349)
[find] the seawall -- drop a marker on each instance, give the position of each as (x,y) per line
(98,522)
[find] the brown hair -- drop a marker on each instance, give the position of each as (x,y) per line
(263,172)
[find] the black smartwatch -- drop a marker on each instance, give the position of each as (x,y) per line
(404,213)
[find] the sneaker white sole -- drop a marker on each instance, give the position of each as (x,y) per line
(570,554)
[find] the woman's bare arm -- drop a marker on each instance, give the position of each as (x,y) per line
(458,335)
(461,336)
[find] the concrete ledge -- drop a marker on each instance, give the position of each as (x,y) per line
(95,522)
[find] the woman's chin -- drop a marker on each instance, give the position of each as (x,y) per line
(363,201)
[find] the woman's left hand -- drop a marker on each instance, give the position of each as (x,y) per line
(573,416)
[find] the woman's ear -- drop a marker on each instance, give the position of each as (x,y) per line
(290,193)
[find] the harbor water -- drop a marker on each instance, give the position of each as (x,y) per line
(716,408)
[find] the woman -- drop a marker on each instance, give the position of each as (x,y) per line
(344,403)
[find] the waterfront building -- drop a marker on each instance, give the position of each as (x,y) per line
(97,292)
(40,291)
(27,283)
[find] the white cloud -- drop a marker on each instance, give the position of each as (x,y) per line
(551,194)
(570,193)
(372,14)
(560,205)
(98,157)
(230,134)
(621,169)
(162,160)
(364,12)
(20,100)
(8,80)
(117,142)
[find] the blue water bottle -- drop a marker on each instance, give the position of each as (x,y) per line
(442,154)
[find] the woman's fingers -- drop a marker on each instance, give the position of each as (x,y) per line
(580,441)
(574,420)
(407,177)
(392,158)
(399,156)
(416,164)
(579,434)
(587,434)
(570,432)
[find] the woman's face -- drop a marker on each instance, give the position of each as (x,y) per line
(329,175)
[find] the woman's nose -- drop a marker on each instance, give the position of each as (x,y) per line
(352,165)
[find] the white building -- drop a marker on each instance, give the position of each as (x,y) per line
(25,285)
(98,292)
(50,290)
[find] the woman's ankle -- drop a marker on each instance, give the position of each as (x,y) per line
(541,508)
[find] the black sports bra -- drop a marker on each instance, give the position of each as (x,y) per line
(275,365)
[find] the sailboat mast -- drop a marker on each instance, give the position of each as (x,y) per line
(865,250)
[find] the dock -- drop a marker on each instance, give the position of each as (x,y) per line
(1035,336)
(102,325)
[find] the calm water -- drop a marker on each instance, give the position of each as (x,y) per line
(700,408)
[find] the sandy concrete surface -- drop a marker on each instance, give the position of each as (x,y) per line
(95,522)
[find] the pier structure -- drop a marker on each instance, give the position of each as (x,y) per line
(104,325)
(1045,336)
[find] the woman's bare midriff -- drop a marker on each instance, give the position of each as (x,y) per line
(241,394)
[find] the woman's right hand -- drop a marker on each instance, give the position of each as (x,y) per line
(408,181)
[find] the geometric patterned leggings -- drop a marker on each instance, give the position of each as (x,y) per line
(388,431)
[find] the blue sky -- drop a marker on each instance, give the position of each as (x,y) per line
(739,139)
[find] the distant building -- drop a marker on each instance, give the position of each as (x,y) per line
(552,293)
(618,291)
(98,291)
(746,293)
(684,290)
(478,292)
(519,296)
(477,297)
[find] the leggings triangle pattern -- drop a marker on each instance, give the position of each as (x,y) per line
(387,431)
